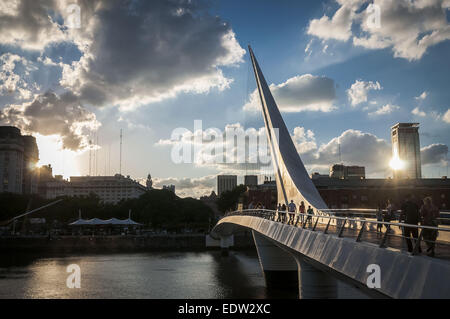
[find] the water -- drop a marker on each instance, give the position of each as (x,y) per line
(145,275)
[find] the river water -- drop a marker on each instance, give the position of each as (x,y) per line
(172,275)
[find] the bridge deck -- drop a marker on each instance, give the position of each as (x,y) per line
(393,239)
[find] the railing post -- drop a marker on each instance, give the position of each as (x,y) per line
(384,239)
(328,225)
(358,239)
(342,228)
(417,245)
(315,224)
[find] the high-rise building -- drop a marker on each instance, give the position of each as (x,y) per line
(406,150)
(11,159)
(251,180)
(226,183)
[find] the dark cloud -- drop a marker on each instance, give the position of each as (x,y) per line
(29,24)
(142,51)
(49,114)
(434,154)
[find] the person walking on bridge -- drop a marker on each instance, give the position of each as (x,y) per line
(301,211)
(279,212)
(310,213)
(379,218)
(283,213)
(430,215)
(291,209)
(410,215)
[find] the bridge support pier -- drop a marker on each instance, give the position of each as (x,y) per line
(288,271)
(314,283)
(279,267)
(225,243)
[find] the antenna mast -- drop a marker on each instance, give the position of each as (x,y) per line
(90,156)
(120,156)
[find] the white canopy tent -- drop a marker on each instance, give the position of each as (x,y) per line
(100,222)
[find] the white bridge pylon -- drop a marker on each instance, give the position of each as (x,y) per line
(293,181)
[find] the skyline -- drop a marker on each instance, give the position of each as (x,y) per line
(347,87)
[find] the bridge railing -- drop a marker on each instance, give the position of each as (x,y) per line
(362,225)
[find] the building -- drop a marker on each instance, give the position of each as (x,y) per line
(264,194)
(54,187)
(317,175)
(369,193)
(341,171)
(364,193)
(226,183)
(110,189)
(19,155)
(11,159)
(169,188)
(251,180)
(30,172)
(406,150)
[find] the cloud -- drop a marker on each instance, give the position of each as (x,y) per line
(422,96)
(434,154)
(132,52)
(386,109)
(29,24)
(337,27)
(418,112)
(189,187)
(409,28)
(11,81)
(446,116)
(357,148)
(49,114)
(233,149)
(300,93)
(359,91)
(140,52)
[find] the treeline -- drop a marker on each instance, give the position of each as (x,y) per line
(159,209)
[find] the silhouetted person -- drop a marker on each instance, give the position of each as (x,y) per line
(279,212)
(301,211)
(310,213)
(410,215)
(292,209)
(429,214)
(390,212)
(379,218)
(283,213)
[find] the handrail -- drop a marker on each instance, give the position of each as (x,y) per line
(239,212)
(342,222)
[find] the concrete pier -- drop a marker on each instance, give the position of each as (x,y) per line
(279,267)
(314,283)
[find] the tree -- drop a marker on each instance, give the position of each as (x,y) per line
(228,200)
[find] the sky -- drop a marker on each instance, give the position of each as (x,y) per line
(76,73)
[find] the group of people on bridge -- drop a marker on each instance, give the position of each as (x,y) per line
(410,213)
(288,213)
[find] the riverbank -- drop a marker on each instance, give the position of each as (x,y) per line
(92,244)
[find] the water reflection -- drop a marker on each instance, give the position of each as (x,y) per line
(143,275)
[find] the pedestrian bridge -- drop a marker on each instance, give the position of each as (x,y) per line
(315,250)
